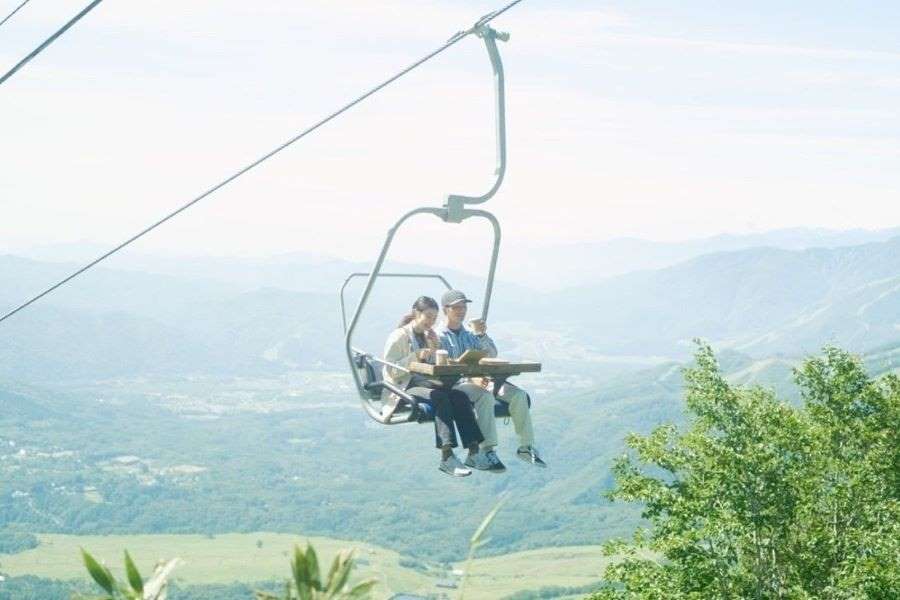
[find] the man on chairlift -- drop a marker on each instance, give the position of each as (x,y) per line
(456,340)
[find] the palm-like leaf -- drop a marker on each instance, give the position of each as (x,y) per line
(310,585)
(362,589)
(312,565)
(340,571)
(99,573)
(476,537)
(477,541)
(134,576)
(300,569)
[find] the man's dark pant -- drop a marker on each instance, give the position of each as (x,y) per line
(450,406)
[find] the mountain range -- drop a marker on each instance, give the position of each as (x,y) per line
(542,267)
(760,301)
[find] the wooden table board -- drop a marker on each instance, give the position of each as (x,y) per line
(492,370)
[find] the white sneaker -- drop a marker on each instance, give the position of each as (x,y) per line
(479,461)
(451,466)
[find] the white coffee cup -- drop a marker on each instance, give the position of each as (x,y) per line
(441,357)
(477,325)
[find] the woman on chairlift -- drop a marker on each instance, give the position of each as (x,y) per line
(414,340)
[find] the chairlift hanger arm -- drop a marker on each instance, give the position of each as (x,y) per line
(456,202)
(495,254)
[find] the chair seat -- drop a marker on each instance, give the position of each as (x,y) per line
(371,376)
(501,410)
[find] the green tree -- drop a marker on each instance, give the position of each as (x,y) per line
(757,498)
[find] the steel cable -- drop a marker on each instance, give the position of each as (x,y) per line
(49,40)
(10,15)
(453,40)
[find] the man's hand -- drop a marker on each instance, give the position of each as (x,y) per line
(479,327)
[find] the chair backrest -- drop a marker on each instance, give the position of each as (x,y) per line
(369,372)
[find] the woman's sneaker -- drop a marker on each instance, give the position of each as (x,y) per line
(529,454)
(485,461)
(451,466)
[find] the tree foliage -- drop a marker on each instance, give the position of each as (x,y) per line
(757,498)
(16,541)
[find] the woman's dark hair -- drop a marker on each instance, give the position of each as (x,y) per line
(421,304)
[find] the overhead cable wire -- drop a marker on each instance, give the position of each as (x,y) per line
(10,15)
(49,40)
(452,41)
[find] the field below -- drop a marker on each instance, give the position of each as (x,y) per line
(264,557)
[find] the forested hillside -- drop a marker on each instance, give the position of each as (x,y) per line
(193,455)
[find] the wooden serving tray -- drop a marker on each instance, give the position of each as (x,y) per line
(494,370)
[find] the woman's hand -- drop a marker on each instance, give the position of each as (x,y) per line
(431,337)
(425,354)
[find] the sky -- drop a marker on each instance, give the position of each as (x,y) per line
(649,119)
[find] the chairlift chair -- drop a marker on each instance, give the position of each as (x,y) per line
(366,367)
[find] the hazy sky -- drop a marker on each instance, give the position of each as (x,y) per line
(653,119)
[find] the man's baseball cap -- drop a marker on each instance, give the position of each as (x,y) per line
(452,297)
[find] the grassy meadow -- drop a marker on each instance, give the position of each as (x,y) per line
(260,557)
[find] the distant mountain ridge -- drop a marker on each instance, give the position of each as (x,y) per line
(760,301)
(568,265)
(295,271)
(545,268)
